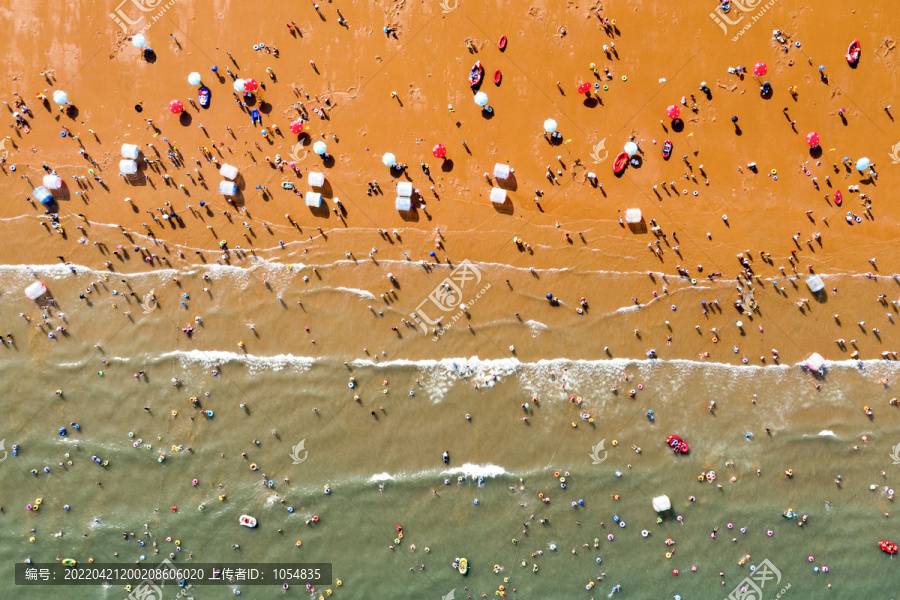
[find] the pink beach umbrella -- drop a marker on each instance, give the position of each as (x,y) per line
(439,151)
(297,126)
(176,107)
(673,111)
(812,138)
(584,88)
(250,85)
(760,69)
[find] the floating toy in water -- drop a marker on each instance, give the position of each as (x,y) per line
(248,521)
(678,445)
(69,562)
(887,546)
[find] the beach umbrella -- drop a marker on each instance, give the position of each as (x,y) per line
(584,88)
(673,111)
(863,164)
(481,99)
(176,107)
(320,148)
(812,138)
(250,85)
(297,126)
(549,125)
(389,159)
(60,97)
(631,148)
(239,85)
(194,78)
(760,69)
(439,151)
(139,40)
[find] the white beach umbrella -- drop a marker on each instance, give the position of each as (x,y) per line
(549,125)
(194,78)
(320,148)
(389,159)
(139,40)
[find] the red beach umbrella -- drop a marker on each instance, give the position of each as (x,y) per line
(760,69)
(673,111)
(439,151)
(297,126)
(176,107)
(812,138)
(250,85)
(584,88)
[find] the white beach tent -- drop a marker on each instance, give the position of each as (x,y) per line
(316,179)
(815,363)
(313,199)
(52,182)
(661,503)
(405,188)
(633,215)
(498,195)
(501,171)
(403,203)
(227,188)
(130,151)
(35,290)
(228,171)
(815,283)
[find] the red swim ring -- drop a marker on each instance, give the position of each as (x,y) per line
(502,43)
(620,162)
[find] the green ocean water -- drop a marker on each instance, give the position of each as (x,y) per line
(386,470)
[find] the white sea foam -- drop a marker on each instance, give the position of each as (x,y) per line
(355,292)
(536,327)
(379,477)
(209,358)
(827,433)
(474,471)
